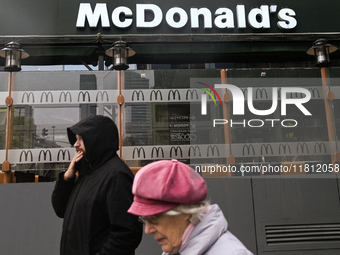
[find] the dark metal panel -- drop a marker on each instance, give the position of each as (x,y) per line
(28,222)
(310,252)
(241,211)
(29,225)
(234,196)
(292,200)
(217,188)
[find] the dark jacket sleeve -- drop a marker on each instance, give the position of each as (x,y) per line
(61,194)
(126,231)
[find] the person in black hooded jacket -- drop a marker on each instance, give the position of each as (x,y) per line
(94,204)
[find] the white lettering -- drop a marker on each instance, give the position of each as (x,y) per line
(256,120)
(272,120)
(263,13)
(225,18)
(116,14)
(195,13)
(262,112)
(183,17)
(238,97)
(204,104)
(289,124)
(100,11)
(219,122)
(151,16)
(238,123)
(238,100)
(297,101)
(241,16)
(287,21)
(142,9)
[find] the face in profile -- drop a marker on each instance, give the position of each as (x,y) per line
(167,230)
(79,144)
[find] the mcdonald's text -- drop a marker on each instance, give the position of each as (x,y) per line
(177,17)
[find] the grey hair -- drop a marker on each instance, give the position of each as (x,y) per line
(197,210)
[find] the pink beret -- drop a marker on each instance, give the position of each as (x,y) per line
(163,185)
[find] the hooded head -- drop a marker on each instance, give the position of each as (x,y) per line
(100,136)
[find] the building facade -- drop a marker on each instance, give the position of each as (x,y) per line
(182,51)
(225,86)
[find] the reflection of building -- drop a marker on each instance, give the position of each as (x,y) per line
(138,117)
(87,82)
(24,130)
(3,113)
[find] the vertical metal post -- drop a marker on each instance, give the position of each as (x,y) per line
(329,113)
(120,101)
(100,85)
(100,62)
(9,131)
(226,116)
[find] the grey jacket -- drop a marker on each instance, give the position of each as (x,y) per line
(211,237)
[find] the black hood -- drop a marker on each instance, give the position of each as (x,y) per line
(100,136)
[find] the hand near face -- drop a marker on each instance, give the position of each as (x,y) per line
(78,156)
(71,171)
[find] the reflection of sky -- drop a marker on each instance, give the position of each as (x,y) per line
(66,68)
(55,116)
(57,68)
(42,68)
(55,120)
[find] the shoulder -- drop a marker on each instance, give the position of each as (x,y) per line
(115,167)
(228,244)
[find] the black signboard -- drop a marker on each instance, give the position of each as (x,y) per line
(89,17)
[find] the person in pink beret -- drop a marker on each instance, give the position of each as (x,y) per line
(170,200)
